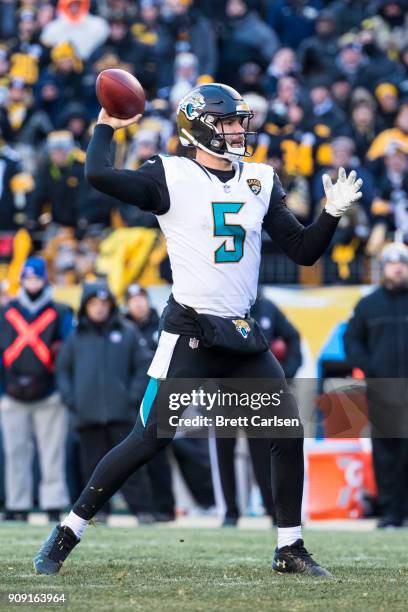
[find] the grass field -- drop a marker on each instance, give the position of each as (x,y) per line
(153,569)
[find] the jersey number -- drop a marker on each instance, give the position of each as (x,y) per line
(222,254)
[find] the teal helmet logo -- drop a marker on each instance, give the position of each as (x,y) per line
(191,105)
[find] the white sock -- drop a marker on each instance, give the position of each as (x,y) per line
(288,535)
(75,523)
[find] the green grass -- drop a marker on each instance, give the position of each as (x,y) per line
(154,569)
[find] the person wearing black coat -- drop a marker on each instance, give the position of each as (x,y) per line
(274,325)
(139,311)
(101,375)
(11,214)
(376,342)
(144,317)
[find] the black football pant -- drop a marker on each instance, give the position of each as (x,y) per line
(143,443)
(390,457)
(259,450)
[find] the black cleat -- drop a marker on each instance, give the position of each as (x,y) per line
(55,550)
(295,559)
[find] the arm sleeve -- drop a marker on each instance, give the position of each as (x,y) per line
(355,340)
(304,245)
(145,187)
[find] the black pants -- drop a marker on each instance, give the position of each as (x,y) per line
(94,443)
(143,443)
(259,450)
(390,457)
(159,472)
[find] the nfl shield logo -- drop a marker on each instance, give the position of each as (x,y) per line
(194,342)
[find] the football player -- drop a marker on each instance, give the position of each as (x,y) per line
(212,210)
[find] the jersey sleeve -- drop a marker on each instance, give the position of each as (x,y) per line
(145,188)
(304,245)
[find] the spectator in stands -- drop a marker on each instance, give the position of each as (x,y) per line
(32,327)
(325,41)
(133,54)
(75,119)
(76,25)
(140,312)
(45,14)
(387,96)
(363,127)
(396,135)
(283,63)
(394,23)
(101,374)
(349,14)
(293,20)
(325,110)
(275,326)
(341,91)
(390,206)
(14,188)
(191,32)
(150,31)
(350,61)
(245,38)
(60,184)
(27,54)
(29,124)
(375,342)
(121,43)
(66,74)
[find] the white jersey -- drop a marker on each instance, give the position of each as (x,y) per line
(213,233)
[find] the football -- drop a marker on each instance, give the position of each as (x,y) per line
(120,93)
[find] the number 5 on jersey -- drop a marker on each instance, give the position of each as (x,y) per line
(221,228)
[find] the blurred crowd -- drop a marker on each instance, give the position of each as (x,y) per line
(327,81)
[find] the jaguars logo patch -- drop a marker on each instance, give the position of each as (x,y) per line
(191,104)
(242,327)
(254,185)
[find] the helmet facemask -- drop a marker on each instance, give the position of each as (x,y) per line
(216,138)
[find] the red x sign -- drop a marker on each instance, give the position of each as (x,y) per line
(28,334)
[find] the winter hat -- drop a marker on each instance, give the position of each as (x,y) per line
(35,266)
(394,252)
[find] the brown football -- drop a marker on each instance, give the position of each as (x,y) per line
(120,93)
